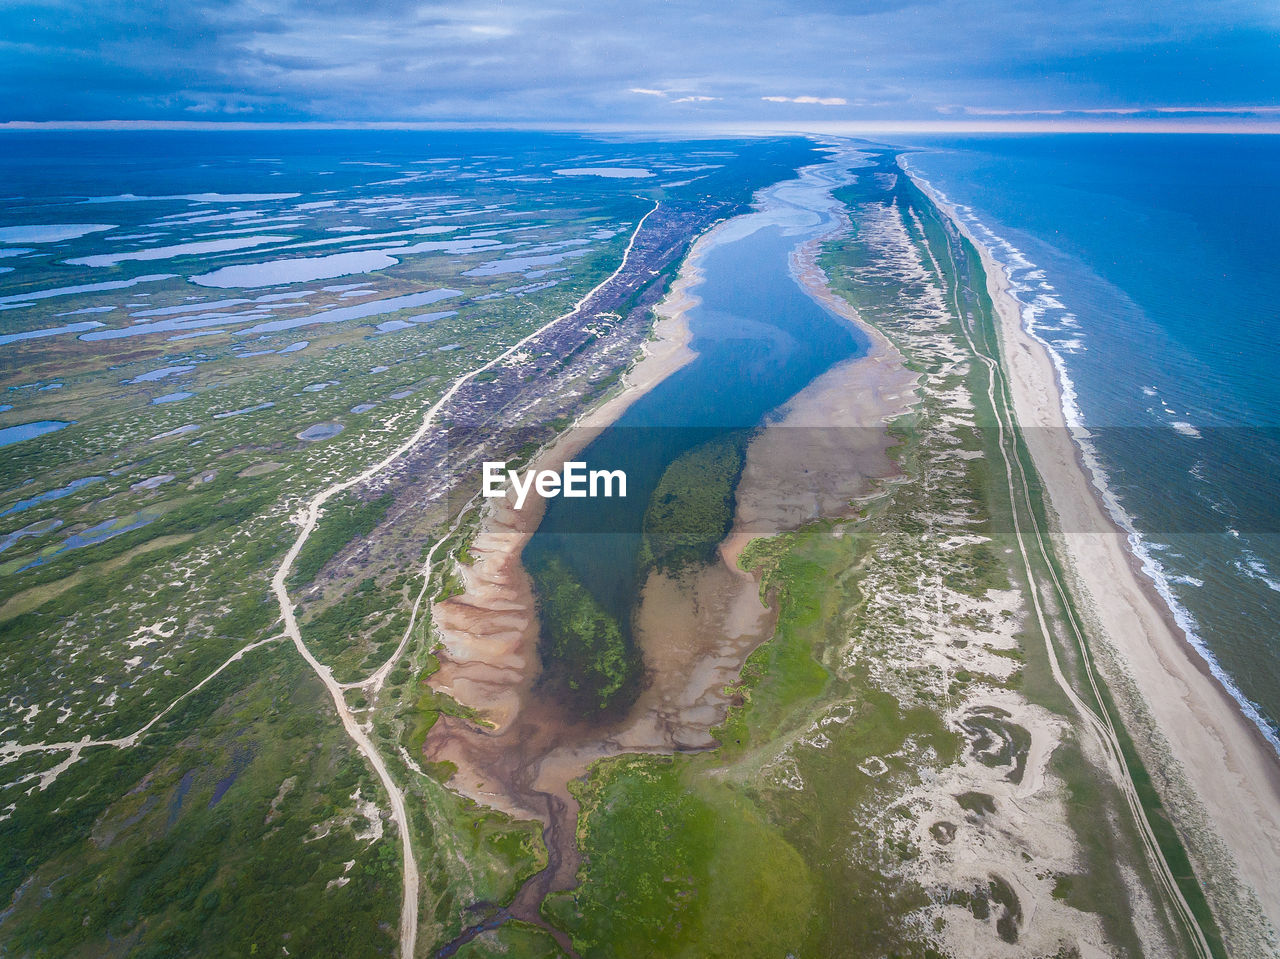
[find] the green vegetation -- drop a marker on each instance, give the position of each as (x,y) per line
(345,520)
(356,634)
(422,713)
(516,939)
(787,672)
(683,868)
(691,509)
(676,850)
(238,831)
(583,648)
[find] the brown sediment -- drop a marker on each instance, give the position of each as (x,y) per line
(818,457)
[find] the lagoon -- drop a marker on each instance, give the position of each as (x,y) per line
(759,340)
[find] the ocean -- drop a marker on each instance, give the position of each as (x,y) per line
(1147,264)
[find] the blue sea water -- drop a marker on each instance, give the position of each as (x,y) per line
(1149,266)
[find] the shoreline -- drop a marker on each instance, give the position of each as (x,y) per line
(1226,761)
(489,632)
(521,757)
(489,659)
(1144,552)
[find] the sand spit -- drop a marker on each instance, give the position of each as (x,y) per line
(1212,748)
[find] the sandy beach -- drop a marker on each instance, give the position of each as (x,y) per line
(1214,750)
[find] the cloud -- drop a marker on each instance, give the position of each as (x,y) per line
(824,101)
(560,62)
(666,95)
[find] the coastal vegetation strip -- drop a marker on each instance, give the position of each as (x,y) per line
(1164,848)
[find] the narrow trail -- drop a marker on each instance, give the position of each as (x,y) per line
(1020,497)
(309,517)
(11,751)
(372,684)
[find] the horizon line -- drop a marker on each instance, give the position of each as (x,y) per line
(720,128)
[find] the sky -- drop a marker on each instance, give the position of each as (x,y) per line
(806,64)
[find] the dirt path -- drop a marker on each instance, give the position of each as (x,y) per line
(11,751)
(309,518)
